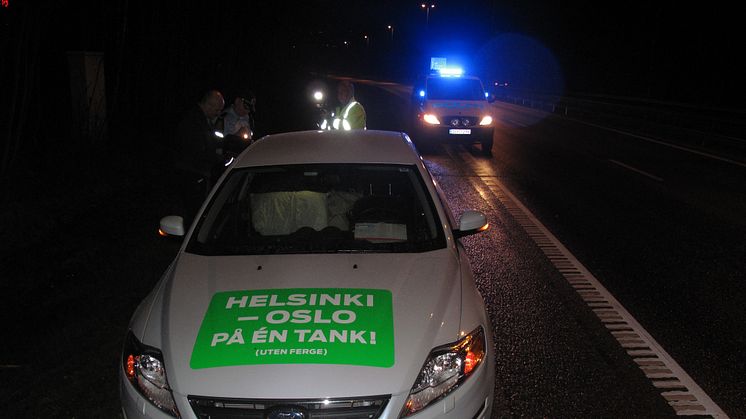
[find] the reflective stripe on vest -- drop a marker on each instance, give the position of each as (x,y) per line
(343,121)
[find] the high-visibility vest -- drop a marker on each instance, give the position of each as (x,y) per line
(340,120)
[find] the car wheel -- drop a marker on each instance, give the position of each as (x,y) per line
(487,148)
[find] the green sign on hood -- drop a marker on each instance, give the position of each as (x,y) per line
(346,326)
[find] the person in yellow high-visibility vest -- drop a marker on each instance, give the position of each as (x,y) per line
(350,114)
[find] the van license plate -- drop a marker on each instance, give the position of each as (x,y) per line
(459,131)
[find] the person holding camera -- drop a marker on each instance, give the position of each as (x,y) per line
(238,118)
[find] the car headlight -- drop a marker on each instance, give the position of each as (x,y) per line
(431,119)
(487,120)
(144,367)
(445,369)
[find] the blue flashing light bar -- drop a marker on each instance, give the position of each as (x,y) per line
(451,71)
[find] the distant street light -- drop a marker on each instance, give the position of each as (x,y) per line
(391,28)
(427,7)
(367,40)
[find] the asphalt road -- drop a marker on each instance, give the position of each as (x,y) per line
(662,227)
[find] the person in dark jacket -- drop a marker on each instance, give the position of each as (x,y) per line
(199,153)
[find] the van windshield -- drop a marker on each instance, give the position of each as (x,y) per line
(454,88)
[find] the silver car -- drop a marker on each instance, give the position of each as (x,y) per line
(323,278)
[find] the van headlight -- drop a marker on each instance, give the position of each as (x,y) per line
(445,369)
(431,119)
(143,365)
(487,120)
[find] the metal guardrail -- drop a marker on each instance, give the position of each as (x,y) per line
(716,129)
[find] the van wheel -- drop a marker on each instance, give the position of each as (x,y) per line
(487,148)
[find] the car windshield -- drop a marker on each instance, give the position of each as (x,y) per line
(320,208)
(454,88)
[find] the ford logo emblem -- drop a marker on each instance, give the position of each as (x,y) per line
(287,412)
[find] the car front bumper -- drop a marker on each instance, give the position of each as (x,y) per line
(473,399)
(445,134)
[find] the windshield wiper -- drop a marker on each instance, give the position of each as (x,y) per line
(271,247)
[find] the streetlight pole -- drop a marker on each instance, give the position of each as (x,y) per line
(391,28)
(427,8)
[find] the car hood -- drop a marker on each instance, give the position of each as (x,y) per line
(411,301)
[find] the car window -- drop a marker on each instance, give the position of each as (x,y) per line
(320,208)
(454,88)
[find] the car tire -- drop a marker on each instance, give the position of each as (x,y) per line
(487,148)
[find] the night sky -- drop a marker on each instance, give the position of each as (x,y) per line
(671,50)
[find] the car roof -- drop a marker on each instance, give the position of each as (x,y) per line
(356,146)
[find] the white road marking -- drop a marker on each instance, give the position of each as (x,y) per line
(514,122)
(628,167)
(652,140)
(681,392)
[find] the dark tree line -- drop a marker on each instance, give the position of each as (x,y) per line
(157,58)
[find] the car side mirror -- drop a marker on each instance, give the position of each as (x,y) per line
(471,222)
(172,225)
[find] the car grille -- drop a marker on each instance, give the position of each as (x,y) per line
(351,408)
(458,121)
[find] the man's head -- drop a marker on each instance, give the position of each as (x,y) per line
(212,104)
(244,104)
(240,106)
(345,92)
